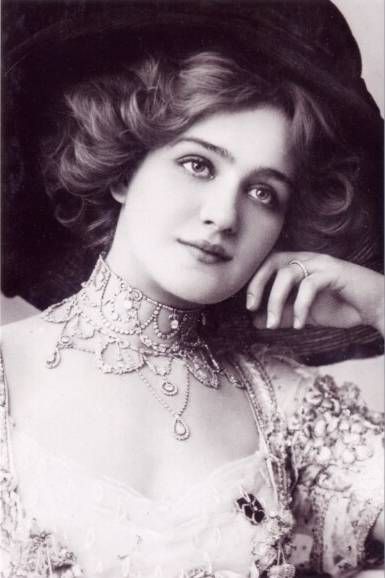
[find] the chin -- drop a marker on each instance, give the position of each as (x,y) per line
(191,286)
(201,292)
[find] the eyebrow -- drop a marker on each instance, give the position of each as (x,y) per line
(266,172)
(222,152)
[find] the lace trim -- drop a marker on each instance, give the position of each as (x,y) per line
(320,510)
(273,553)
(9,501)
(370,511)
(4,426)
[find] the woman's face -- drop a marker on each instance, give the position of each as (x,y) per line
(201,214)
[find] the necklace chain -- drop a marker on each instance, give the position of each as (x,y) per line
(127,332)
(180,428)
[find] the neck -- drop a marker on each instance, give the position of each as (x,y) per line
(133,273)
(124,310)
(127,333)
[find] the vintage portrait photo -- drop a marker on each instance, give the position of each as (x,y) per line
(192,289)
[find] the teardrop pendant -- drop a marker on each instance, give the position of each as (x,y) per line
(169,388)
(54,359)
(181,429)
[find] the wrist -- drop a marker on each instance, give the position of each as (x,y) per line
(380,323)
(378,299)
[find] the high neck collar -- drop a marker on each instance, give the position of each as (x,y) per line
(125,310)
(127,333)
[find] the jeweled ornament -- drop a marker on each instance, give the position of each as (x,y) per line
(251,508)
(169,388)
(128,332)
(181,429)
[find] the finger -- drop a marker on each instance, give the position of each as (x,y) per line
(307,293)
(260,319)
(258,283)
(287,278)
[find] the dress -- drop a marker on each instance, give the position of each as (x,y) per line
(328,444)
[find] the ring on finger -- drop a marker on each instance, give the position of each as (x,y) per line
(303,268)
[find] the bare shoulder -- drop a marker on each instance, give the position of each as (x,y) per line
(26,345)
(27,341)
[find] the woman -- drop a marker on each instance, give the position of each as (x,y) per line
(144,443)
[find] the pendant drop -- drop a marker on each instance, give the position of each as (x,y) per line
(281,571)
(174,323)
(181,429)
(169,388)
(54,359)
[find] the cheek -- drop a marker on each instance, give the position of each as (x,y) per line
(159,204)
(262,233)
(154,223)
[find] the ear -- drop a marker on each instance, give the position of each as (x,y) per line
(119,192)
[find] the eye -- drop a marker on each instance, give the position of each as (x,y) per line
(263,194)
(198,167)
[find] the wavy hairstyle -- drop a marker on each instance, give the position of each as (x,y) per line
(109,124)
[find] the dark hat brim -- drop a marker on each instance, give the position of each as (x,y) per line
(309,41)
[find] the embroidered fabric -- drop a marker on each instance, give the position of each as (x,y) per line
(335,479)
(337,445)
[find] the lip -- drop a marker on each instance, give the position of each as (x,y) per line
(209,252)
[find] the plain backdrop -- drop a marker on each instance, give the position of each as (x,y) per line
(366,20)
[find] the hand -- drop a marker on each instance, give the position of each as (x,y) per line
(335,293)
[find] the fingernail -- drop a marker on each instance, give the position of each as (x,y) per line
(297,323)
(271,320)
(250,301)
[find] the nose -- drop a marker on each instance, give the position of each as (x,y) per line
(220,209)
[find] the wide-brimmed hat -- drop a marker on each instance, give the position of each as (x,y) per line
(51,45)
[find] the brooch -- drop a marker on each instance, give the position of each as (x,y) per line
(251,508)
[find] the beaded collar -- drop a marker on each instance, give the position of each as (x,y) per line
(128,332)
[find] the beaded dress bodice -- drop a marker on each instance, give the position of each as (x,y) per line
(213,530)
(214,525)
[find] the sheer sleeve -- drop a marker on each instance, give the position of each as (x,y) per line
(336,446)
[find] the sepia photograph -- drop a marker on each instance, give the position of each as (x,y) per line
(192,289)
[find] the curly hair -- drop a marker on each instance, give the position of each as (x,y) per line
(109,124)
